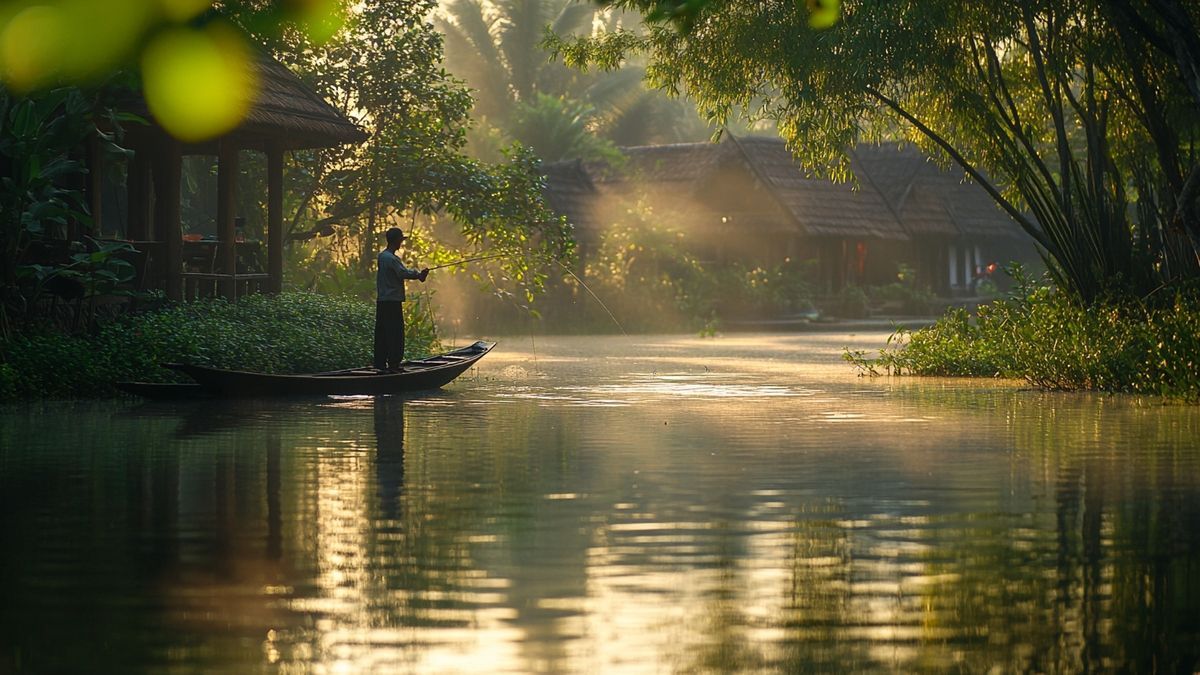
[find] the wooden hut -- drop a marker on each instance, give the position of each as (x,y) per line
(748,200)
(286,115)
(956,229)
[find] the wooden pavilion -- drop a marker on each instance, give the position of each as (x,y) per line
(286,115)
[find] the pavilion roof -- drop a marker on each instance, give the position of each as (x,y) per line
(819,206)
(286,112)
(287,109)
(929,199)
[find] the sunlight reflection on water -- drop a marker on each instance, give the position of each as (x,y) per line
(608,505)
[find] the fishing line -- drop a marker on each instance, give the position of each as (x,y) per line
(594,296)
(560,264)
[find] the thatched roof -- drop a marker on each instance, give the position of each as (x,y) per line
(928,199)
(898,192)
(820,207)
(682,163)
(288,111)
(570,192)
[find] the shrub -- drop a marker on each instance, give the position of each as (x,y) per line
(849,303)
(902,298)
(904,295)
(742,292)
(1046,338)
(289,333)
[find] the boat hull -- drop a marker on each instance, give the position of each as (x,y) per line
(421,375)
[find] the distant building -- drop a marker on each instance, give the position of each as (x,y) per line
(747,199)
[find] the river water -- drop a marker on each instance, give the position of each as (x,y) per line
(642,504)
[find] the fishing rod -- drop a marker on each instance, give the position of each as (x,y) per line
(470,260)
(560,264)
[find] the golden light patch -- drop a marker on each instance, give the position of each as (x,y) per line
(824,13)
(87,50)
(31,47)
(198,84)
(182,10)
(322,19)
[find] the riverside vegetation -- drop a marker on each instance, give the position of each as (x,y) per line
(1048,338)
(290,333)
(1079,119)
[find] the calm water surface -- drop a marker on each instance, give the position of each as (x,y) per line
(662,504)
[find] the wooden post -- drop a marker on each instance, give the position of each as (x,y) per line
(227,171)
(137,187)
(167,219)
(274,219)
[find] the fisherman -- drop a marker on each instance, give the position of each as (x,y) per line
(389,304)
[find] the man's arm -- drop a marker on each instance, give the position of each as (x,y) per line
(406,273)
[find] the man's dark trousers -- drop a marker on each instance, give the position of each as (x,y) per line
(389,334)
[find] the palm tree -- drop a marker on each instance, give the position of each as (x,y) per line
(496,49)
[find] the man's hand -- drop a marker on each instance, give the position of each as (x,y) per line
(424,274)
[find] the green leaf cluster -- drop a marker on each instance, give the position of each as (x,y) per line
(289,333)
(1045,337)
(1078,117)
(506,52)
(651,276)
(36,135)
(384,69)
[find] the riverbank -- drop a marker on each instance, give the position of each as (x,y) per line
(287,333)
(804,325)
(1048,339)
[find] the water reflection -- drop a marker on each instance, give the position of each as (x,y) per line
(848,525)
(389,453)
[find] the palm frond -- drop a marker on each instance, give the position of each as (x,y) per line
(574,19)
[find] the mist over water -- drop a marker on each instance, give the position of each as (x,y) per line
(641,504)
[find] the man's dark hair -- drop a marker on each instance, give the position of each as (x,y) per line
(394,235)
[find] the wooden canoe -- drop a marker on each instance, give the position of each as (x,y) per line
(425,374)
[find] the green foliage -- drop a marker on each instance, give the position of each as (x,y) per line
(646,274)
(36,136)
(1049,339)
(383,68)
(556,128)
(903,296)
(41,138)
(58,41)
(646,271)
(849,303)
(685,13)
(99,272)
(504,51)
(290,333)
(1066,111)
(742,291)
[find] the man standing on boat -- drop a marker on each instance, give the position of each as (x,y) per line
(389,304)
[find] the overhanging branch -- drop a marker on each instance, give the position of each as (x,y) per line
(974,173)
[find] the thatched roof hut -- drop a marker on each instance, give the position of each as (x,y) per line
(749,196)
(285,115)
